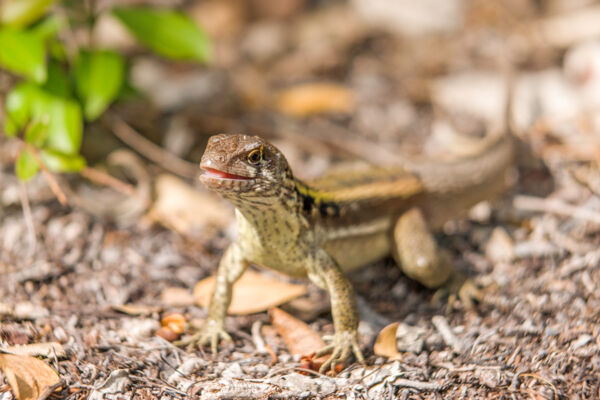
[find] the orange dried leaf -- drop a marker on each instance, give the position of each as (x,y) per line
(297,335)
(174,321)
(315,98)
(385,344)
(167,334)
(252,293)
(28,377)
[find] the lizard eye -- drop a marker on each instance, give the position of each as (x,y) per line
(255,156)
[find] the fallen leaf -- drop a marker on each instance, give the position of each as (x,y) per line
(385,344)
(500,246)
(135,309)
(114,385)
(176,297)
(297,335)
(184,209)
(174,322)
(167,334)
(315,98)
(252,293)
(28,377)
(36,349)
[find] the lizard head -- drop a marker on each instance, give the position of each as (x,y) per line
(246,166)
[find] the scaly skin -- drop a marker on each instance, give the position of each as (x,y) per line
(338,223)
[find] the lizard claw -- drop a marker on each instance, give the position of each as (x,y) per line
(458,287)
(209,334)
(343,344)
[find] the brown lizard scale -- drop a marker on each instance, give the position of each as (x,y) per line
(342,221)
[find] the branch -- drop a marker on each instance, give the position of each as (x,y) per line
(167,160)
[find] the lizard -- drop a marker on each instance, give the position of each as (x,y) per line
(339,222)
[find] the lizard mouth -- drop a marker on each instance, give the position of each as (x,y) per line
(215,174)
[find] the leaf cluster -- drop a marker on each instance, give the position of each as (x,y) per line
(61,87)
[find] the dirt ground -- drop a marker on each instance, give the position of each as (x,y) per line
(93,275)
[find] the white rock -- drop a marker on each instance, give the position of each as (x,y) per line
(407,17)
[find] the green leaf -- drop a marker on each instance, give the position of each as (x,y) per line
(61,162)
(57,50)
(19,13)
(57,82)
(167,32)
(48,27)
(37,132)
(66,124)
(26,166)
(23,53)
(99,76)
(18,107)
(28,101)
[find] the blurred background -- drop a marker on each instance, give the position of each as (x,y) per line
(320,78)
(106,107)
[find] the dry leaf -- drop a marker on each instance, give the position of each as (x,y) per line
(28,377)
(135,309)
(315,98)
(252,293)
(297,335)
(385,344)
(167,334)
(49,349)
(176,297)
(174,322)
(184,209)
(113,387)
(500,247)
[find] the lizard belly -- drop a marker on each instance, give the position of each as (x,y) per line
(290,261)
(353,252)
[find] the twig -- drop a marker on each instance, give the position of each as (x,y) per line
(449,337)
(259,342)
(54,186)
(100,177)
(27,216)
(48,390)
(397,381)
(433,386)
(539,378)
(168,161)
(555,206)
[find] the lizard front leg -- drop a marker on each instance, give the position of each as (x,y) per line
(421,259)
(231,267)
(326,274)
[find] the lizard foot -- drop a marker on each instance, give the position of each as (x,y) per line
(209,334)
(458,287)
(343,344)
